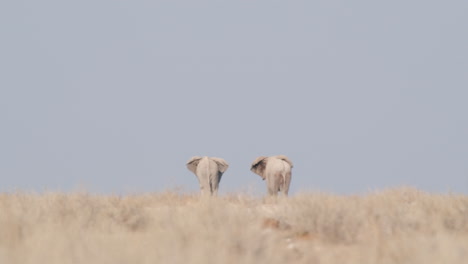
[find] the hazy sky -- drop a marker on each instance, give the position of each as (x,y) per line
(115,96)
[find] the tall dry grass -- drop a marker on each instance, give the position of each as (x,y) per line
(401,225)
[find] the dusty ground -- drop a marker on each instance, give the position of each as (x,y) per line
(401,225)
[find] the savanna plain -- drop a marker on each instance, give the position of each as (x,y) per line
(401,225)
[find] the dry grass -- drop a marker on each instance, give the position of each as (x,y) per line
(401,225)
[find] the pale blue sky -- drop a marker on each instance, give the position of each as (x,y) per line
(115,96)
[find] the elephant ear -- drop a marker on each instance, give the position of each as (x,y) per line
(222,164)
(193,163)
(258,166)
(283,157)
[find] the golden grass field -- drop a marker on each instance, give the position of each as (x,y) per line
(401,225)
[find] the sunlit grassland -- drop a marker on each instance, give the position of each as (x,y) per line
(402,225)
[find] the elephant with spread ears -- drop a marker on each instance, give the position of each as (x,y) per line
(276,170)
(208,171)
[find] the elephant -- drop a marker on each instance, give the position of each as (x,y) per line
(208,171)
(276,170)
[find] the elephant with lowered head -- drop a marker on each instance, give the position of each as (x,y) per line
(208,171)
(276,170)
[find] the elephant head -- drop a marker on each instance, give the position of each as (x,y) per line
(208,171)
(276,170)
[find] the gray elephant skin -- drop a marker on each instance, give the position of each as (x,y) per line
(208,171)
(276,170)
